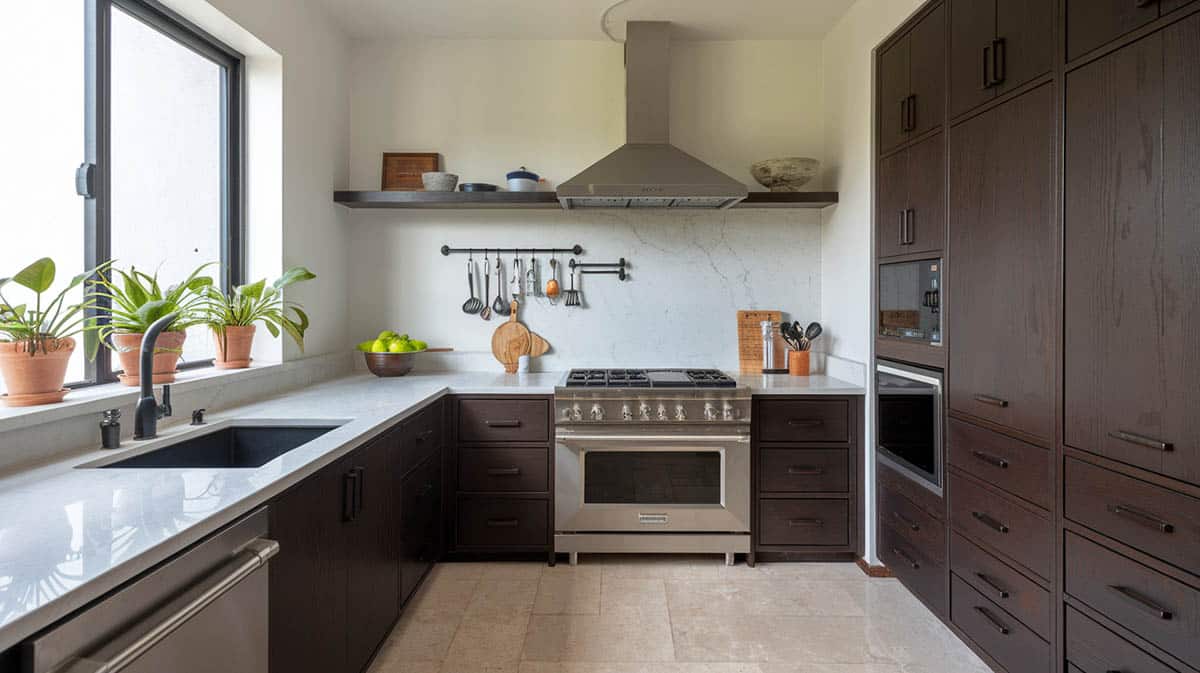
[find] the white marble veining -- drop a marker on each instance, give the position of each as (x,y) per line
(68,534)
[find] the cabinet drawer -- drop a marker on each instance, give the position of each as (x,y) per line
(496,420)
(923,576)
(804,470)
(1023,470)
(804,420)
(1149,518)
(1018,595)
(503,469)
(1091,648)
(809,523)
(421,437)
(924,498)
(1008,641)
(1158,608)
(1005,526)
(503,523)
(918,526)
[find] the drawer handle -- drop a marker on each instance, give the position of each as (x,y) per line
(990,522)
(805,523)
(422,436)
(914,526)
(806,422)
(994,401)
(1145,604)
(503,471)
(906,558)
(1001,592)
(1143,518)
(1144,3)
(1141,440)
(996,623)
(805,470)
(991,460)
(504,423)
(503,523)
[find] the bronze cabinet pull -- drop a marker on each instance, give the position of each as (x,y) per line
(504,423)
(1142,602)
(1141,440)
(502,523)
(990,522)
(805,470)
(994,401)
(1144,518)
(906,558)
(422,436)
(504,471)
(1001,592)
(806,422)
(996,623)
(914,526)
(805,523)
(991,460)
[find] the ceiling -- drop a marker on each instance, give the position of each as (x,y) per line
(580,19)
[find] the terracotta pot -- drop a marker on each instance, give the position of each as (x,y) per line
(799,363)
(233,350)
(37,378)
(167,351)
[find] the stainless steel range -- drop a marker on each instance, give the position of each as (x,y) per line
(652,461)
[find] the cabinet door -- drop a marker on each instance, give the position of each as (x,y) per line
(1027,30)
(420,530)
(972,29)
(926,195)
(373,563)
(1133,255)
(308,577)
(893,92)
(927,71)
(891,202)
(1093,23)
(1003,238)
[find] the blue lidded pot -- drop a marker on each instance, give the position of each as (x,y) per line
(522,180)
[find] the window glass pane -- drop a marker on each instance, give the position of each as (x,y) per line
(41,141)
(166,159)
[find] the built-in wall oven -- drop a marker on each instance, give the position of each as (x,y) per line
(908,428)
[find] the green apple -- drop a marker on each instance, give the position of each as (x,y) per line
(385,335)
(420,345)
(365,346)
(395,346)
(379,346)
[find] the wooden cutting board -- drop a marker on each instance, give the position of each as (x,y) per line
(510,341)
(537,345)
(749,330)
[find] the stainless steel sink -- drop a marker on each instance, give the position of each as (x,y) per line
(231,446)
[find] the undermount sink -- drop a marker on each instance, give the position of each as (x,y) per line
(233,446)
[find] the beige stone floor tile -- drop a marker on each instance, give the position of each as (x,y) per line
(487,640)
(737,597)
(636,667)
(422,636)
(673,566)
(814,571)
(389,660)
(458,571)
(633,598)
(708,637)
(441,595)
(920,641)
(563,593)
(597,638)
(834,668)
(479,667)
(503,599)
(531,570)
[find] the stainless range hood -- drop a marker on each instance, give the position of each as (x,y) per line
(647,171)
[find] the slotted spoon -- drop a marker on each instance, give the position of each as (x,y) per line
(474,304)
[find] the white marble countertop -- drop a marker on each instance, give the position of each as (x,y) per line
(68,534)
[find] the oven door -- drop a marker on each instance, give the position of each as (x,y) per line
(908,429)
(658,482)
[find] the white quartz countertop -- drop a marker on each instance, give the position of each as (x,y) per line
(68,534)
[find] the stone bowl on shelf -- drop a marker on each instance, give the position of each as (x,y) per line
(787,174)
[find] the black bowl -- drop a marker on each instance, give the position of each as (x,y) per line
(477,187)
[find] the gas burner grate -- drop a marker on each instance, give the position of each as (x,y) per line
(647,378)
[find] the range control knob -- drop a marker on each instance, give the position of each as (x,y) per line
(710,411)
(566,413)
(662,412)
(680,413)
(644,411)
(597,412)
(727,412)
(626,413)
(576,413)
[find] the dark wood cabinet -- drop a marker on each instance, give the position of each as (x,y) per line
(911,94)
(1091,648)
(911,208)
(912,565)
(911,537)
(1004,241)
(421,527)
(1133,254)
(1093,23)
(1021,469)
(1014,531)
(997,46)
(1012,644)
(1004,585)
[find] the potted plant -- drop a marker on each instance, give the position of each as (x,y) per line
(36,342)
(136,299)
(232,317)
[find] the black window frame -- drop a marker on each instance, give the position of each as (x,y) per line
(97,163)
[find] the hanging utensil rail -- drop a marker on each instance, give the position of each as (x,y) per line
(573,250)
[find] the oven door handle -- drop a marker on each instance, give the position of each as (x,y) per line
(679,439)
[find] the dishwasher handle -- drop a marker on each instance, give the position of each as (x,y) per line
(252,558)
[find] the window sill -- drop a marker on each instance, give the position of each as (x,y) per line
(95,399)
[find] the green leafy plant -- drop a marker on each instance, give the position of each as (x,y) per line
(46,322)
(258,302)
(136,300)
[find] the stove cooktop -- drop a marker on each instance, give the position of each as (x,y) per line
(649,378)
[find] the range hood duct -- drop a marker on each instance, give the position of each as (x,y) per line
(648,171)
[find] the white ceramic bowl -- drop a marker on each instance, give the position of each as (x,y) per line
(787,174)
(437,181)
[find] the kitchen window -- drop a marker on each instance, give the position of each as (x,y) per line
(149,108)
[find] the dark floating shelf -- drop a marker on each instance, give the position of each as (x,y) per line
(543,200)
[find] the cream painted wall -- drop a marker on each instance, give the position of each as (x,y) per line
(846,240)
